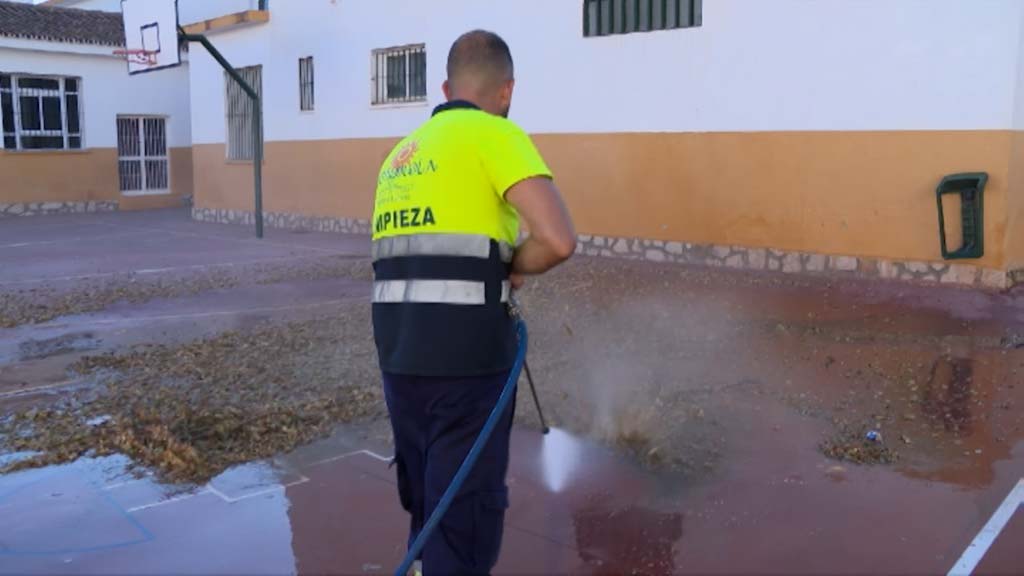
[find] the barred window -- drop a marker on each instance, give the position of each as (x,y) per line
(143,164)
(240,140)
(400,75)
(40,113)
(606,17)
(306,92)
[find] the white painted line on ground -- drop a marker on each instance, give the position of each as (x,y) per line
(251,241)
(140,319)
(976,551)
(39,389)
(168,501)
(66,240)
(272,490)
(373,455)
(146,271)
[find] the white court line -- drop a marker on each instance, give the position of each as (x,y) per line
(65,240)
(373,455)
(250,241)
(169,317)
(976,551)
(211,489)
(168,501)
(155,270)
(38,389)
(272,490)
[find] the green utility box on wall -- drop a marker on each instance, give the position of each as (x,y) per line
(970,187)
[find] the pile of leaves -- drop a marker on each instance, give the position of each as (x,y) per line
(48,301)
(190,411)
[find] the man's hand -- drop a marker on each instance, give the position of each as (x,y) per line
(517,281)
(552,238)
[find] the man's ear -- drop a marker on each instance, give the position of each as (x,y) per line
(447,89)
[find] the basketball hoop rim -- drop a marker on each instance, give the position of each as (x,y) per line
(137,55)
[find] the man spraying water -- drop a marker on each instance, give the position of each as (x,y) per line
(446,219)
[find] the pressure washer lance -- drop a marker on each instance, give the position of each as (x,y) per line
(516,311)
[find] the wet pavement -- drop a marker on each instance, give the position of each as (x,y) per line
(711,421)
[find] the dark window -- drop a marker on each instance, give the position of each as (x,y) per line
(607,17)
(51,114)
(306,92)
(42,142)
(74,120)
(31,116)
(400,75)
(241,129)
(39,83)
(397,77)
(40,113)
(7,105)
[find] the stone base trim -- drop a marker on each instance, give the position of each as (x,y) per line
(285,220)
(735,257)
(743,258)
(46,208)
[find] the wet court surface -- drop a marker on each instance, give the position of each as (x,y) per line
(720,469)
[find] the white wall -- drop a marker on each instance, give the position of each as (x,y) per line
(189,11)
(753,66)
(104,5)
(108,90)
(192,11)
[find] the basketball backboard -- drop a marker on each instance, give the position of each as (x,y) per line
(150,35)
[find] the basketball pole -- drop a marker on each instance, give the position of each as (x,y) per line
(257,120)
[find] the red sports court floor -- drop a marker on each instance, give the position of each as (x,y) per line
(332,509)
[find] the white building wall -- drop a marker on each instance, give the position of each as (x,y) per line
(785,65)
(191,11)
(108,90)
(103,5)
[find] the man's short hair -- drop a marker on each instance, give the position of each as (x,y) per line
(481,57)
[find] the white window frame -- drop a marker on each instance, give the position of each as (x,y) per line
(379,97)
(61,93)
(142,158)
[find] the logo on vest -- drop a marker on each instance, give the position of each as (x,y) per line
(405,164)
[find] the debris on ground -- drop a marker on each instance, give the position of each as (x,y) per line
(54,300)
(191,411)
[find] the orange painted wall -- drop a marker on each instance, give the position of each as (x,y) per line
(64,176)
(1015,208)
(82,176)
(848,193)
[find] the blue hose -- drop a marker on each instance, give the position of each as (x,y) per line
(507,394)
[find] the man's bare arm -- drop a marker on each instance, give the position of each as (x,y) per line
(552,237)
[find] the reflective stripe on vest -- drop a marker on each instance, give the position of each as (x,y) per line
(463,245)
(457,292)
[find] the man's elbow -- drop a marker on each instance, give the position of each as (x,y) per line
(564,247)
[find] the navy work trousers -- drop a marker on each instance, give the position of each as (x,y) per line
(435,422)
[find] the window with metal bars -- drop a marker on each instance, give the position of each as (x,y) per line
(40,113)
(143,164)
(241,140)
(608,17)
(306,92)
(400,75)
